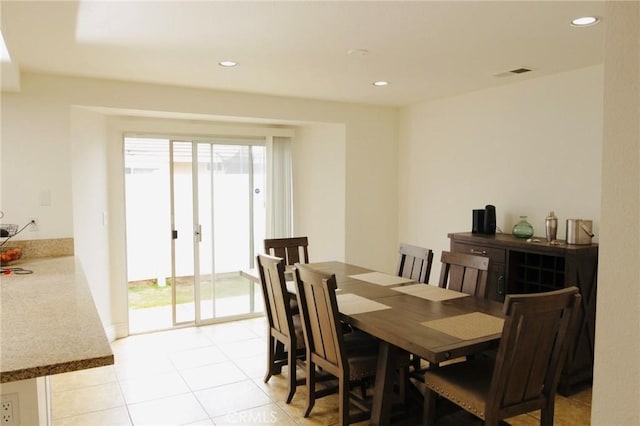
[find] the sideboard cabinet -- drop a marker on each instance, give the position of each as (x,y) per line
(517,266)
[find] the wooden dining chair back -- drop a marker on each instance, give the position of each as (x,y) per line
(285,343)
(466,273)
(415,262)
(524,376)
(292,250)
(349,357)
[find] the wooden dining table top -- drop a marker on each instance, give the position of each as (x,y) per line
(402,324)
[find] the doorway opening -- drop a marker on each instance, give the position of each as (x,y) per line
(196,215)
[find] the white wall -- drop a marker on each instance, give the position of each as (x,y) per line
(371,191)
(36,159)
(319,189)
(90,204)
(527,148)
(36,132)
(616,386)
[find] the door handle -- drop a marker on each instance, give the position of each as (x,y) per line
(198,233)
(174,234)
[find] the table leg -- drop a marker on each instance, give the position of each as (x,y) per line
(385,375)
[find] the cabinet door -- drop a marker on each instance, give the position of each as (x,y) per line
(496,282)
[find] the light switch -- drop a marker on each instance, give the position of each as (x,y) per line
(45,197)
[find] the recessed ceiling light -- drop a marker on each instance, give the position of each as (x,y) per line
(585,21)
(227,63)
(380,83)
(357,52)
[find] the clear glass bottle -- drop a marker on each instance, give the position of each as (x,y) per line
(523,229)
(551,225)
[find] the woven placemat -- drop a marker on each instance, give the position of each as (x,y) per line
(380,278)
(350,304)
(468,326)
(430,292)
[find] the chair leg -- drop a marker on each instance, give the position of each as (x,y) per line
(403,383)
(546,416)
(415,362)
(292,373)
(280,354)
(311,386)
(429,413)
(344,401)
(270,358)
(364,384)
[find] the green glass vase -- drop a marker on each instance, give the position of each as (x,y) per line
(523,229)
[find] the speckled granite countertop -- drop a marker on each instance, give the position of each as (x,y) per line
(50,324)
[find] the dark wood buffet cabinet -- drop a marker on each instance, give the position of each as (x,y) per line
(518,266)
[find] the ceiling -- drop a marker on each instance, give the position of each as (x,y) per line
(425,49)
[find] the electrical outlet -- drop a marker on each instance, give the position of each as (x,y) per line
(10,410)
(33,224)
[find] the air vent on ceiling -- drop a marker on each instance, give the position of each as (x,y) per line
(516,71)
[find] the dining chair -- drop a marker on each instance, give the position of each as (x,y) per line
(285,340)
(292,250)
(350,357)
(466,273)
(415,262)
(524,375)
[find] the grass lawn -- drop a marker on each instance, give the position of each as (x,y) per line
(147,294)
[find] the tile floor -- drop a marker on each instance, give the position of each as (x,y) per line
(212,375)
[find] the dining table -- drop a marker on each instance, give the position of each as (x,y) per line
(433,323)
(407,317)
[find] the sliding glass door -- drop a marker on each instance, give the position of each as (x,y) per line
(183,249)
(205,224)
(230,226)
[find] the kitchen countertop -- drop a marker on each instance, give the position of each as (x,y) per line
(49,322)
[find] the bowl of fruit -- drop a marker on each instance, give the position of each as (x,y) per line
(9,255)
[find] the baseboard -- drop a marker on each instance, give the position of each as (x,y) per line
(116,331)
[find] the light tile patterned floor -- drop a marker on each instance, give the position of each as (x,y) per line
(212,375)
